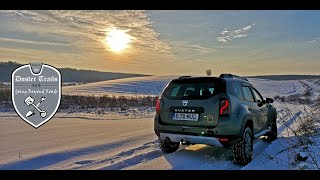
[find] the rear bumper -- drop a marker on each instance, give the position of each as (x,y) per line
(191,139)
(227,126)
(198,135)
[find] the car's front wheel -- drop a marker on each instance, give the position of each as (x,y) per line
(168,146)
(242,150)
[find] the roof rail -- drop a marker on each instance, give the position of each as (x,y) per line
(232,76)
(184,77)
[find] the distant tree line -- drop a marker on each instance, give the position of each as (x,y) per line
(68,74)
(286,77)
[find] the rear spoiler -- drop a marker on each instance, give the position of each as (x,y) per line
(232,76)
(184,77)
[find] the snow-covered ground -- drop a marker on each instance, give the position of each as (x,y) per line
(70,142)
(116,140)
(271,88)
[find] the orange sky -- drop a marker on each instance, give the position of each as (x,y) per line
(165,42)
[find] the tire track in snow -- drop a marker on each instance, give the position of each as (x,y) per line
(123,159)
(134,160)
(45,160)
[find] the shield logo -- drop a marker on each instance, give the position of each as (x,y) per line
(184,102)
(36,92)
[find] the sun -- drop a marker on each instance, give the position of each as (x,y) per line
(117,40)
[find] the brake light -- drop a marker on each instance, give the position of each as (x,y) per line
(223,139)
(158,105)
(224,107)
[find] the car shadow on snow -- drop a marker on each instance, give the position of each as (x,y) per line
(198,157)
(202,157)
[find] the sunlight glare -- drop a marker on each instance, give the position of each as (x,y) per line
(117,40)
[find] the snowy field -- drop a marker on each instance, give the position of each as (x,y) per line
(153,85)
(127,141)
(150,85)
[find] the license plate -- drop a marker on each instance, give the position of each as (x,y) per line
(185,116)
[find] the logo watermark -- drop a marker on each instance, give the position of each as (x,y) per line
(36,92)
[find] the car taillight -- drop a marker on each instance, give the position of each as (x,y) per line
(158,105)
(224,107)
(223,139)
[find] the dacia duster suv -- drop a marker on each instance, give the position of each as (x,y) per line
(223,111)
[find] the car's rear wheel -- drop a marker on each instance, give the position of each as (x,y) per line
(273,134)
(242,150)
(168,146)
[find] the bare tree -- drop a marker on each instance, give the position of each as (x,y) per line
(208,72)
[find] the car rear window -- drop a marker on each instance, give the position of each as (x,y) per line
(193,88)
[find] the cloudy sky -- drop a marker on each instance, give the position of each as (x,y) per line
(165,42)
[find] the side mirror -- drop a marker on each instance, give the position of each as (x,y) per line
(261,103)
(269,100)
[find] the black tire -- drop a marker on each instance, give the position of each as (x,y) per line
(273,135)
(242,150)
(168,146)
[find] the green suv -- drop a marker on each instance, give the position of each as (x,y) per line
(223,111)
